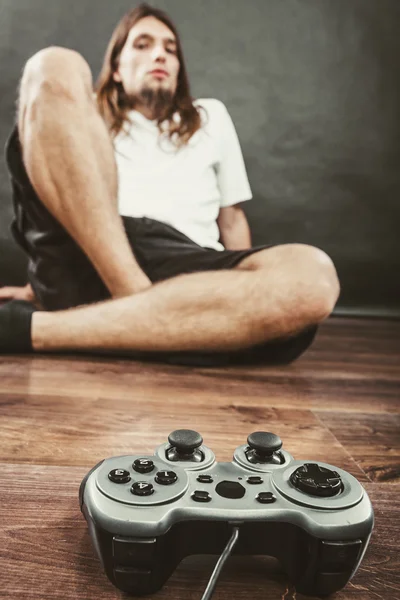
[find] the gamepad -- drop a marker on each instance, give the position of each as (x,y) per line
(146,513)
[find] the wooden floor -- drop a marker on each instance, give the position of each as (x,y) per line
(60,415)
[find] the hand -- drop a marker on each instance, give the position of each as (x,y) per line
(19,293)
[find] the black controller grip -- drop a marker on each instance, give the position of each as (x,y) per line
(142,566)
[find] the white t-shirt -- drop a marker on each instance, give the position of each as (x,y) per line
(184,188)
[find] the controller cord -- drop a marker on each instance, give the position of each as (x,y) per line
(220,564)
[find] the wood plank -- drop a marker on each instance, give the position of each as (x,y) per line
(373,440)
(379,574)
(353,365)
(303,384)
(61,414)
(45,550)
(79,431)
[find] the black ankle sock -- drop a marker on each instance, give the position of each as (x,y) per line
(15,327)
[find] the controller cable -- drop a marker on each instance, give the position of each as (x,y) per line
(220,564)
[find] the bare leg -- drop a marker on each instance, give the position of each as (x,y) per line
(69,158)
(274,293)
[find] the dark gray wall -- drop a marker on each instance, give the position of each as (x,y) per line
(313,87)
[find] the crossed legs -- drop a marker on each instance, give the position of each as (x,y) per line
(68,155)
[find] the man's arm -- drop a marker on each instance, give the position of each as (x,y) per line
(234,228)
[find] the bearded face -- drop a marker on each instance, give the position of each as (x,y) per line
(148,67)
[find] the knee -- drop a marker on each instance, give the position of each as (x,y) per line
(307,277)
(317,283)
(322,284)
(55,64)
(54,70)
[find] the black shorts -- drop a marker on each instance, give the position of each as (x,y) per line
(62,276)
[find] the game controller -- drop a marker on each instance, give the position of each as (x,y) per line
(146,513)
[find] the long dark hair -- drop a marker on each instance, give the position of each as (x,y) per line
(111,98)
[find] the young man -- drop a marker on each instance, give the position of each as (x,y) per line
(158,280)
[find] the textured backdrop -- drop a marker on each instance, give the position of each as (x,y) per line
(313,87)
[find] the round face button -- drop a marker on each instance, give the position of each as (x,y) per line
(142,488)
(266,497)
(166,477)
(119,476)
(143,465)
(200,496)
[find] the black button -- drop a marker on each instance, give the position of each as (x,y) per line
(142,488)
(230,489)
(266,497)
(132,580)
(338,556)
(327,583)
(143,465)
(119,476)
(200,496)
(134,551)
(205,479)
(166,477)
(255,480)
